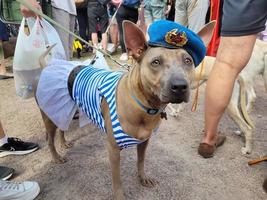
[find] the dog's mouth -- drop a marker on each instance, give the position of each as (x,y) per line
(174,98)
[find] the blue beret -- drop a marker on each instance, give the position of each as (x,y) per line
(172,35)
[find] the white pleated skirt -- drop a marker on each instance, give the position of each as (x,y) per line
(53,95)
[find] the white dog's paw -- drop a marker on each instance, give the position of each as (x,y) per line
(245,150)
(238,132)
(174,113)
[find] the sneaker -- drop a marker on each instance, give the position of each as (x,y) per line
(26,190)
(124,57)
(6,172)
(111,48)
(15,146)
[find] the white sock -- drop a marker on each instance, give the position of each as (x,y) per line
(3,141)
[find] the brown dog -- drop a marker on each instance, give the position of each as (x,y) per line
(159,76)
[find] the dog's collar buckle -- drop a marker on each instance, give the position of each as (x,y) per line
(152,111)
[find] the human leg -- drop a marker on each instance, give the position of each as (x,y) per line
(197,11)
(121,15)
(62,17)
(71,38)
(229,62)
(148,15)
(235,49)
(92,21)
(158,13)
(181,12)
(14,146)
(104,21)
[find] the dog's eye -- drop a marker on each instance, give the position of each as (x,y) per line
(188,61)
(155,63)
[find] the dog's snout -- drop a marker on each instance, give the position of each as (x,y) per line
(179,86)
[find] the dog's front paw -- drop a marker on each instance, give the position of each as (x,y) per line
(118,195)
(59,160)
(246,150)
(66,145)
(174,114)
(147,181)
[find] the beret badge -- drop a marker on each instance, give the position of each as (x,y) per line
(176,38)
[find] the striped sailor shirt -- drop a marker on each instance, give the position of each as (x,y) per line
(90,86)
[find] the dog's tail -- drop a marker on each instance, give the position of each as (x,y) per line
(42,60)
(243,102)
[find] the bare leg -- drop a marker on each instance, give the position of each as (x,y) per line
(114,32)
(114,159)
(144,180)
(232,57)
(104,41)
(95,39)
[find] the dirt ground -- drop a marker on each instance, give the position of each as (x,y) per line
(172,157)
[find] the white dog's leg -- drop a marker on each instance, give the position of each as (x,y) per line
(175,112)
(251,95)
(234,113)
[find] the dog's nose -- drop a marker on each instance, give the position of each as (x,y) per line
(179,86)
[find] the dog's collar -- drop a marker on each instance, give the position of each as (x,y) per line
(150,111)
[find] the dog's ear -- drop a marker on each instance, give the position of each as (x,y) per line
(206,32)
(134,39)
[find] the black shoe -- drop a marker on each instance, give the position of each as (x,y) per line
(5,172)
(15,146)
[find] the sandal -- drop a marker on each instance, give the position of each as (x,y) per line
(207,150)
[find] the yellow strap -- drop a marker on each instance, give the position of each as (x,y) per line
(195,102)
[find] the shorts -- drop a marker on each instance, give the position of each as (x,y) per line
(244,17)
(111,11)
(97,14)
(153,13)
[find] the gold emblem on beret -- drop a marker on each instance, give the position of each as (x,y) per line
(176,38)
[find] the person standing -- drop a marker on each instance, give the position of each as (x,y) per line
(26,190)
(127,11)
(98,15)
(64,12)
(235,49)
(191,13)
(154,10)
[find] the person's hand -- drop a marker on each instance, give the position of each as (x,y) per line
(27,12)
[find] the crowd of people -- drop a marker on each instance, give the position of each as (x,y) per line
(97,24)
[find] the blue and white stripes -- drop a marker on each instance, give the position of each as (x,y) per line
(90,85)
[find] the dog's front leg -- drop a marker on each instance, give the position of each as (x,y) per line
(144,180)
(64,144)
(114,159)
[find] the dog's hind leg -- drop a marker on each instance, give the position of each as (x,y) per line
(251,97)
(51,129)
(234,113)
(144,180)
(64,144)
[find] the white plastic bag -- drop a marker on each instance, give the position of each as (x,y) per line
(28,50)
(51,37)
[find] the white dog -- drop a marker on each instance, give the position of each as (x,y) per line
(243,95)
